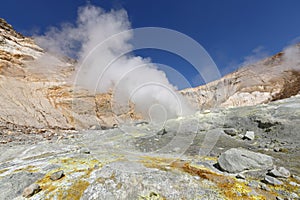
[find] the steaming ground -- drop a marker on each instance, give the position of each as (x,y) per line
(100,42)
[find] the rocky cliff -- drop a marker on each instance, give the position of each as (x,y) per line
(36,89)
(271,79)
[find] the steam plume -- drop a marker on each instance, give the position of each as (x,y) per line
(95,41)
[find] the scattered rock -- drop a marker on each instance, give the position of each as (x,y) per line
(253,184)
(294,196)
(31,190)
(231,131)
(57,175)
(273,181)
(241,136)
(277,149)
(95,127)
(280,172)
(264,187)
(206,111)
(162,132)
(152,195)
(13,185)
(84,150)
(142,123)
(296,177)
(241,176)
(71,136)
(237,160)
(249,135)
(294,184)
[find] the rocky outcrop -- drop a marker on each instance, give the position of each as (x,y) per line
(37,88)
(271,79)
(37,91)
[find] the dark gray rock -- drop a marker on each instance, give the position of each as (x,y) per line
(162,132)
(238,160)
(231,131)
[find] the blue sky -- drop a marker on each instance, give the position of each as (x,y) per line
(232,31)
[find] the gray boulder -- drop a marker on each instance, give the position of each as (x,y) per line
(237,160)
(231,131)
(249,135)
(280,172)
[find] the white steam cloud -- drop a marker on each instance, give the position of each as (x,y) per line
(257,54)
(96,43)
(291,57)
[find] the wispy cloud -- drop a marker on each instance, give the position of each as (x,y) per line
(257,54)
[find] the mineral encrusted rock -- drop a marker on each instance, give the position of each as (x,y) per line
(37,89)
(133,162)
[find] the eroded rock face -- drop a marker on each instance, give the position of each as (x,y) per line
(271,79)
(37,89)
